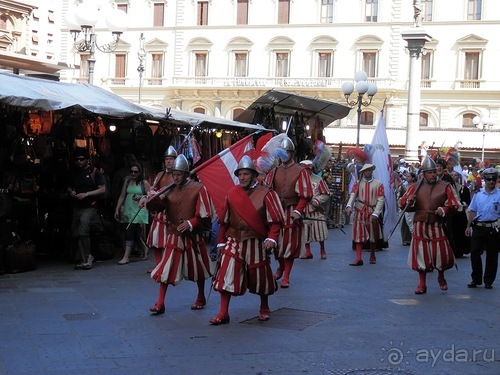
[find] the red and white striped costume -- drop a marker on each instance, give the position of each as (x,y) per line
(293,185)
(157,236)
(316,231)
(185,255)
(367,198)
(430,248)
(244,263)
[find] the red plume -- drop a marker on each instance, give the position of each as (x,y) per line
(356,153)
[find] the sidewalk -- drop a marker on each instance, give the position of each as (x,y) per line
(334,319)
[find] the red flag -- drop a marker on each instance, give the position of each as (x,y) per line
(217,173)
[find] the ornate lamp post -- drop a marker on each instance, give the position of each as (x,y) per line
(362,87)
(84,18)
(142,56)
(483,123)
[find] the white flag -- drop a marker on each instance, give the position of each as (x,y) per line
(380,156)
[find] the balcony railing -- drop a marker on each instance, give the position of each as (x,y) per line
(469,84)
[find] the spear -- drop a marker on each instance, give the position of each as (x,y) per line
(405,209)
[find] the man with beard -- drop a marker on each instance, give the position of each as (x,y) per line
(431,200)
(249,231)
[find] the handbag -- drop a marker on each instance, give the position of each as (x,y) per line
(20,256)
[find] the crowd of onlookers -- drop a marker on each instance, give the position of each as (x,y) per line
(468,175)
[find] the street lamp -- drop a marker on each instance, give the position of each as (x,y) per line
(483,123)
(362,87)
(84,18)
(142,56)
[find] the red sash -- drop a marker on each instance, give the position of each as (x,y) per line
(244,207)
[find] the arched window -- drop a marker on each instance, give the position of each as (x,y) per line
(424,119)
(237,112)
(199,110)
(3,22)
(467,120)
(366,118)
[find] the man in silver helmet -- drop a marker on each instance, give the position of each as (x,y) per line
(293,185)
(158,231)
(483,226)
(249,231)
(188,212)
(432,200)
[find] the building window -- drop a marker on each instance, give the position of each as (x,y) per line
(474,8)
(199,110)
(84,67)
(426,66)
(156,68)
(282,64)
(51,17)
(424,119)
(426,70)
(158,14)
(326,11)
(283,12)
(427,11)
(50,40)
(371,10)
(324,64)
(202,13)
(237,112)
(468,120)
(471,72)
(3,23)
(123,7)
(200,67)
(120,67)
(34,37)
(242,12)
(240,64)
(370,63)
(366,118)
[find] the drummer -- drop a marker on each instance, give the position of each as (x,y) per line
(157,236)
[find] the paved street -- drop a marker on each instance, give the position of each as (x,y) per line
(334,319)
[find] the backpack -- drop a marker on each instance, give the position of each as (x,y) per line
(106,183)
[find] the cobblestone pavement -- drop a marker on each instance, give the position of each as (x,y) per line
(334,319)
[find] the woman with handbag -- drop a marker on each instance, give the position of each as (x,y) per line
(133,189)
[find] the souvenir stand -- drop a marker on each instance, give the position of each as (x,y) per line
(43,121)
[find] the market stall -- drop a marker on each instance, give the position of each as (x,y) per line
(42,123)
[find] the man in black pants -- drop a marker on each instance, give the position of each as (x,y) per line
(484,218)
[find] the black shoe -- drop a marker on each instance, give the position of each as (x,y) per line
(488,286)
(472,284)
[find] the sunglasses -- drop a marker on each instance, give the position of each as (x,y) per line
(132,171)
(81,159)
(490,179)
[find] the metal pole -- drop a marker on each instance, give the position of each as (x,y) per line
(482,150)
(91,59)
(360,102)
(141,55)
